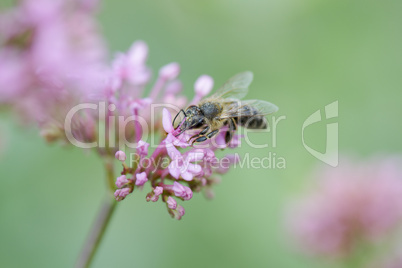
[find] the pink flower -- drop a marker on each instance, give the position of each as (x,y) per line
(158,190)
(202,87)
(154,195)
(174,88)
(180,211)
(154,198)
(131,67)
(355,201)
(209,163)
(181,164)
(121,181)
(138,54)
(170,71)
(140,104)
(120,194)
(59,65)
(142,148)
(172,204)
(182,191)
(141,178)
(121,156)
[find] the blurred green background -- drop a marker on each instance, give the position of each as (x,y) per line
(304,54)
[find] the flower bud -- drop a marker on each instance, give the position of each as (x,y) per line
(138,53)
(141,179)
(121,181)
(182,191)
(172,204)
(120,155)
(154,198)
(158,190)
(203,85)
(170,71)
(142,148)
(174,88)
(120,194)
(180,212)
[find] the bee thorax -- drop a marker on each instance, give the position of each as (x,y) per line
(211,110)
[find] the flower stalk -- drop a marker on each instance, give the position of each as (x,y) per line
(101,222)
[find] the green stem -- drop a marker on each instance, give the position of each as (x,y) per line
(102,220)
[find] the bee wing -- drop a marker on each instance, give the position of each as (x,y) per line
(235,88)
(242,108)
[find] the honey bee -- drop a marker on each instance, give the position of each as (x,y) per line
(224,108)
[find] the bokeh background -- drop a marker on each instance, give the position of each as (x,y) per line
(304,54)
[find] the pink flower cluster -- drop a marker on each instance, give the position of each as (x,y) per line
(353,204)
(51,57)
(171,173)
(126,83)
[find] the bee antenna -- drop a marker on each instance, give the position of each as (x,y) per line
(181,110)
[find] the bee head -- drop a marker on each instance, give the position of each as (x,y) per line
(194,118)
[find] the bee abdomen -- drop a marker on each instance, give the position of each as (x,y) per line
(250,119)
(253,122)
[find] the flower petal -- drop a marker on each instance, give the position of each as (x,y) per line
(195,155)
(172,151)
(187,176)
(194,168)
(174,170)
(167,121)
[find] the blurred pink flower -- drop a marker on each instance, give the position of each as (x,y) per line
(131,67)
(51,57)
(202,87)
(354,203)
(395,262)
(121,156)
(170,71)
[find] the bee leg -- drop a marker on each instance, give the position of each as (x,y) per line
(212,133)
(201,133)
(232,129)
(205,130)
(202,138)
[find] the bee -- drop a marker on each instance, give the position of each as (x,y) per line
(225,108)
